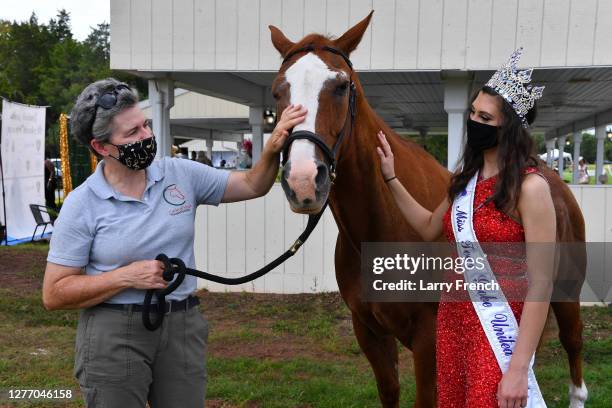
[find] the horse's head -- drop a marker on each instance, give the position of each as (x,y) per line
(316,73)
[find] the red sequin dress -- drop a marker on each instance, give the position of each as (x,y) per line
(467,370)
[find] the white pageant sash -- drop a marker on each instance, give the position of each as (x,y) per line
(492,308)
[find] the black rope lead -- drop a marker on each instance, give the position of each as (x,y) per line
(175,266)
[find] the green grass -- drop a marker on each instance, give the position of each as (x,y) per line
(38,246)
(295,382)
(552,369)
(266,350)
(568,174)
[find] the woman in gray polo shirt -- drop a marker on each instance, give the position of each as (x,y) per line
(108,233)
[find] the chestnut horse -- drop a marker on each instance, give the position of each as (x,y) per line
(317,73)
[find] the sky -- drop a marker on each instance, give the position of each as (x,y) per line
(83,13)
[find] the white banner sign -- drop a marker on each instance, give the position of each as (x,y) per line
(23,150)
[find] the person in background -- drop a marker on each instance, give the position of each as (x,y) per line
(583,172)
(50,185)
(203,158)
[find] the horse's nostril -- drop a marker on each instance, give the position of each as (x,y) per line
(307,201)
(321,174)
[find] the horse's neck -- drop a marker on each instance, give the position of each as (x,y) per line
(359,199)
(361,202)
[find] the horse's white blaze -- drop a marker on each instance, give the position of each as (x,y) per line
(306,78)
(578,395)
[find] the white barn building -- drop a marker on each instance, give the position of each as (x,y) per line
(419,62)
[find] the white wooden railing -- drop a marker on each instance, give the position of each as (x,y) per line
(239,238)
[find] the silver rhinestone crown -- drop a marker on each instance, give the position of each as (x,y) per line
(513,85)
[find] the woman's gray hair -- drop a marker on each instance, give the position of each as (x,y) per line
(85,108)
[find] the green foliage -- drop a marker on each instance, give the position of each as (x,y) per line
(436,145)
(42,64)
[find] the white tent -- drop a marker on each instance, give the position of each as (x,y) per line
(218,146)
(222,150)
(555,155)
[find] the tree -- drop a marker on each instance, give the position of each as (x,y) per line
(45,65)
(436,145)
(23,50)
(98,41)
(60,28)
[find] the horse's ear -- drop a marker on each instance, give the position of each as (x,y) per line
(349,40)
(281,43)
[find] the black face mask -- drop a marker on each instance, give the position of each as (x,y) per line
(137,155)
(480,136)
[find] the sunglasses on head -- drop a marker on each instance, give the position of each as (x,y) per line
(107,100)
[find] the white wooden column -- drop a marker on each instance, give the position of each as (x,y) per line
(577,142)
(561,144)
(256,120)
(600,135)
(456,94)
(209,145)
(161,95)
(550,146)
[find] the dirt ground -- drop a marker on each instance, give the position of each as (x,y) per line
(230,313)
(270,327)
(15,268)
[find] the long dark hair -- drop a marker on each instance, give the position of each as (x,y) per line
(515,152)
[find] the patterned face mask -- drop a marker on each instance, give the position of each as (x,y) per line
(137,155)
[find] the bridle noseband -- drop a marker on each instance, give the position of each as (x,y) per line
(330,154)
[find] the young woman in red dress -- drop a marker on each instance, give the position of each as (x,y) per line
(511,203)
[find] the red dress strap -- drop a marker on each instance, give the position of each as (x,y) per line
(535,170)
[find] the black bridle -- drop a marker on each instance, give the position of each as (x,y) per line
(330,154)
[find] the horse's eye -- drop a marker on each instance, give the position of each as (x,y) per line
(341,89)
(275,95)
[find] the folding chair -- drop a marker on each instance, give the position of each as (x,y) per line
(37,212)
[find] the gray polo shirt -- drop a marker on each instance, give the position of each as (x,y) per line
(101,229)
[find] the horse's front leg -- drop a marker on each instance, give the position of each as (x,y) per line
(422,342)
(381,352)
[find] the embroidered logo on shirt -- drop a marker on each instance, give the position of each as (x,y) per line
(174,196)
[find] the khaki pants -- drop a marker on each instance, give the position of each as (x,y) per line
(119,363)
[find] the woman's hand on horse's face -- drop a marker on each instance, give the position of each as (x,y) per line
(291,116)
(386,156)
